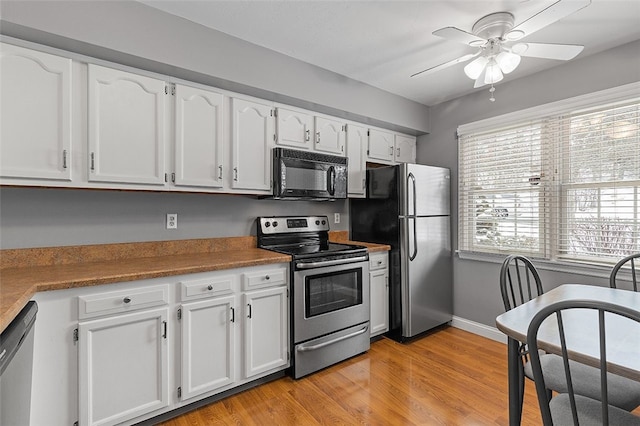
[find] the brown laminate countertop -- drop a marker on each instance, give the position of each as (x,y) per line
(24,272)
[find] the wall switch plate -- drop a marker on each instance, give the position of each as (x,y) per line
(172,220)
(336,218)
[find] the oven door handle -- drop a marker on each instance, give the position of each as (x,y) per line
(302,348)
(309,265)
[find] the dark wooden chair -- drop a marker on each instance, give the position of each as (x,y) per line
(635,271)
(520,283)
(570,407)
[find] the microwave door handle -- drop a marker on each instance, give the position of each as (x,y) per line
(331,180)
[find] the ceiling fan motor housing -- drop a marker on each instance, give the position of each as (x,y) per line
(493,26)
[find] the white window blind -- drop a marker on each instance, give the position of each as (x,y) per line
(559,186)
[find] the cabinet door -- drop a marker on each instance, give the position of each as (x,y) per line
(123,367)
(329,135)
(208,358)
(265,330)
(126,127)
(35,124)
(379,282)
(294,129)
(405,149)
(199,144)
(252,139)
(356,143)
(381,146)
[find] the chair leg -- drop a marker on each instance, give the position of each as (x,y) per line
(521,384)
(549,394)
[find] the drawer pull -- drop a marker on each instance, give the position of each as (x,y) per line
(379,262)
(233,315)
(267,277)
(209,287)
(126,300)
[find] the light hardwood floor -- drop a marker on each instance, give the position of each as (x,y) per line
(449,377)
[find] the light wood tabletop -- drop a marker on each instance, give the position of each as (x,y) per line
(581,327)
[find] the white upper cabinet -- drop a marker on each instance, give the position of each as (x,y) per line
(329,135)
(294,129)
(252,137)
(126,127)
(405,149)
(35,124)
(198,137)
(356,145)
(381,146)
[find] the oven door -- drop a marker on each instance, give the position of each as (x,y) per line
(329,298)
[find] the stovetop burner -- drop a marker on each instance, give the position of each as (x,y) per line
(302,237)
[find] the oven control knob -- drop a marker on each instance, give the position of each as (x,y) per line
(267,224)
(275,224)
(317,222)
(324,222)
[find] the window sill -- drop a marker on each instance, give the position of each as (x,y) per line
(568,267)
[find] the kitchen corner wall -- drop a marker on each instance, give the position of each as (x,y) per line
(136,35)
(476,288)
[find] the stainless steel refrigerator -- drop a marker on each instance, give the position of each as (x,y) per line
(408,207)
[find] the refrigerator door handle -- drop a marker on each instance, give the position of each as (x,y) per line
(415,240)
(411,177)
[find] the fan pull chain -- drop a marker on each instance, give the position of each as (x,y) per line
(493,89)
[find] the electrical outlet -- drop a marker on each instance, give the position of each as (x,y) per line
(172,220)
(336,218)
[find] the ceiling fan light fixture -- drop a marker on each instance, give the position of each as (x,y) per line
(475,67)
(492,73)
(507,61)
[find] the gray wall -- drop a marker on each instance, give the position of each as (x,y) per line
(476,289)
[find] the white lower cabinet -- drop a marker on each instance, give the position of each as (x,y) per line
(379,282)
(123,366)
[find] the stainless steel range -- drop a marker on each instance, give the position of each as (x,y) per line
(329,291)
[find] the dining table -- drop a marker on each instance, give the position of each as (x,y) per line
(623,334)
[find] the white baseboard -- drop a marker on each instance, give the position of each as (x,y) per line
(479,329)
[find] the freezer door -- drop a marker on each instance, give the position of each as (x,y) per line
(426,283)
(428,186)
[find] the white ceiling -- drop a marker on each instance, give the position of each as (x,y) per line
(382,43)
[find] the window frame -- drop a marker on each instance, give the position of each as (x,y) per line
(554,223)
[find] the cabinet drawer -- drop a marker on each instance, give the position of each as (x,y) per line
(264,278)
(378,261)
(207,287)
(121,301)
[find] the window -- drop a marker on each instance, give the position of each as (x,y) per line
(558,182)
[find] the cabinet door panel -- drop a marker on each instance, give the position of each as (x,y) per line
(123,367)
(126,127)
(329,135)
(199,149)
(405,149)
(207,345)
(35,124)
(252,140)
(381,146)
(294,129)
(379,281)
(265,330)
(356,143)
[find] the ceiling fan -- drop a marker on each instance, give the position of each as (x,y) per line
(499,50)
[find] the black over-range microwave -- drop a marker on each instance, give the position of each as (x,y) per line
(308,175)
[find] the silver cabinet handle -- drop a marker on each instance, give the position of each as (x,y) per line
(391,150)
(219,172)
(164,329)
(397,152)
(233,314)
(249,305)
(307,135)
(126,300)
(93,162)
(235,174)
(317,137)
(364,183)
(64,159)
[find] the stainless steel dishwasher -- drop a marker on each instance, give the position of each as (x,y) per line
(16,368)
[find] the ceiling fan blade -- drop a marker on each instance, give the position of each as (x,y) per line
(551,14)
(562,52)
(446,64)
(456,34)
